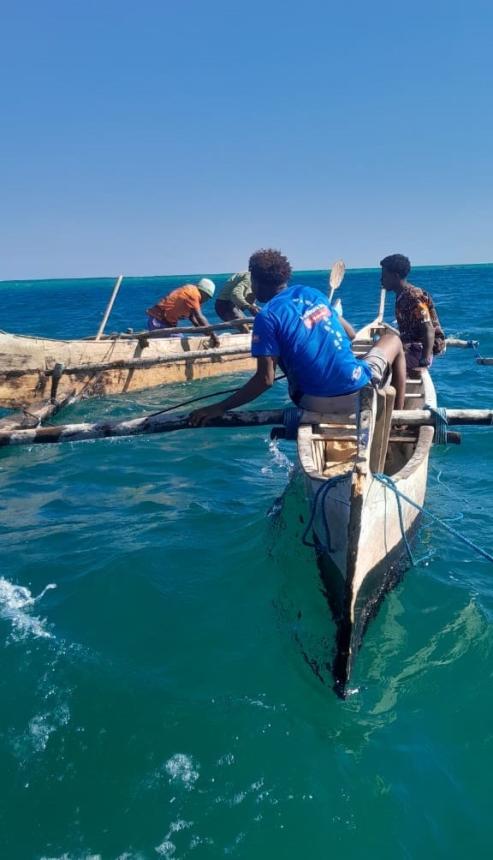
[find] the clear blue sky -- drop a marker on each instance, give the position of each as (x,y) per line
(159,137)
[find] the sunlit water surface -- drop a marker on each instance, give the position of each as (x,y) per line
(160,621)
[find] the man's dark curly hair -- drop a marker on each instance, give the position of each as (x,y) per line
(398,264)
(269,267)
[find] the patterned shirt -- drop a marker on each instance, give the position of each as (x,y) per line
(238,290)
(177,305)
(413,308)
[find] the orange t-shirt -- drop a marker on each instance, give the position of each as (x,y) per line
(177,305)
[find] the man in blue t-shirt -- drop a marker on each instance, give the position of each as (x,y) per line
(299,330)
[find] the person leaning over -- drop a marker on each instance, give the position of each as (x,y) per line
(420,330)
(236,298)
(298,329)
(183,303)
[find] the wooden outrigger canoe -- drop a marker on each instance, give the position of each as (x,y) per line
(34,370)
(360,531)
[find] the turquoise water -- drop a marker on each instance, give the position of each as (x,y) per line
(160,623)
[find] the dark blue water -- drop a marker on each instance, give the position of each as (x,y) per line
(159,702)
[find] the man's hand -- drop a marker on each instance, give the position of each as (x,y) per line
(199,417)
(254,310)
(215,340)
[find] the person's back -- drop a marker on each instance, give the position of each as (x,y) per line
(300,330)
(178,304)
(236,298)
(413,307)
(301,327)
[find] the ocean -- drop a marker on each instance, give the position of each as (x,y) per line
(160,620)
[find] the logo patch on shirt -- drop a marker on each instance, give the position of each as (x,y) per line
(316,315)
(356,373)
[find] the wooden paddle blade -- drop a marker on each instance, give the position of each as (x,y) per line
(337,274)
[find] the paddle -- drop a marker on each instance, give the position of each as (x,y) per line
(336,277)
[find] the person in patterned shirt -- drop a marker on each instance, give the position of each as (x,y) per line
(419,327)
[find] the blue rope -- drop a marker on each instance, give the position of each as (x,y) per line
(388,482)
(320,495)
(441,424)
(291,419)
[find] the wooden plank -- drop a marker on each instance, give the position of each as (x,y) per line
(140,363)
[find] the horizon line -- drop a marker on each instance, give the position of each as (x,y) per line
(228,274)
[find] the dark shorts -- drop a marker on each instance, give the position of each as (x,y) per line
(228,311)
(413,352)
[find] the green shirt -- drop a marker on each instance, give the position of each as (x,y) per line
(238,290)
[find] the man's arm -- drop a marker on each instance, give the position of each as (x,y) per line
(427,338)
(260,382)
(197,318)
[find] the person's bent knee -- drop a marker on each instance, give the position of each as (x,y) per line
(391,345)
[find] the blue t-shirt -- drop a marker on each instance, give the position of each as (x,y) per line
(301,329)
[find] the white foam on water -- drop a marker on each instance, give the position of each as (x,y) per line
(278,459)
(42,726)
(16,602)
(166,849)
(181,769)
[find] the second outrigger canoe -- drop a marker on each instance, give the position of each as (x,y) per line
(352,461)
(36,369)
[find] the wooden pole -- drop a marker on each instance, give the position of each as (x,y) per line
(413,417)
(109,306)
(166,424)
(136,426)
(189,331)
(461,344)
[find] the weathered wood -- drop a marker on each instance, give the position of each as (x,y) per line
(177,330)
(413,417)
(134,427)
(129,364)
(27,363)
(29,418)
(461,344)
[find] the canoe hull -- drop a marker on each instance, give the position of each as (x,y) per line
(26,365)
(359,528)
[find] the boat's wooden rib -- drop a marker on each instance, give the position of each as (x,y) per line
(111,366)
(356,522)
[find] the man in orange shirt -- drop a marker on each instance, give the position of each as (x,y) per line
(183,303)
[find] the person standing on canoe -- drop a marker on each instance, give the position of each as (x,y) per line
(236,298)
(183,303)
(421,333)
(298,329)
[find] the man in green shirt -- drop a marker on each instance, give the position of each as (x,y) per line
(236,298)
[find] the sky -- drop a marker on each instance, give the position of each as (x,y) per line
(179,136)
